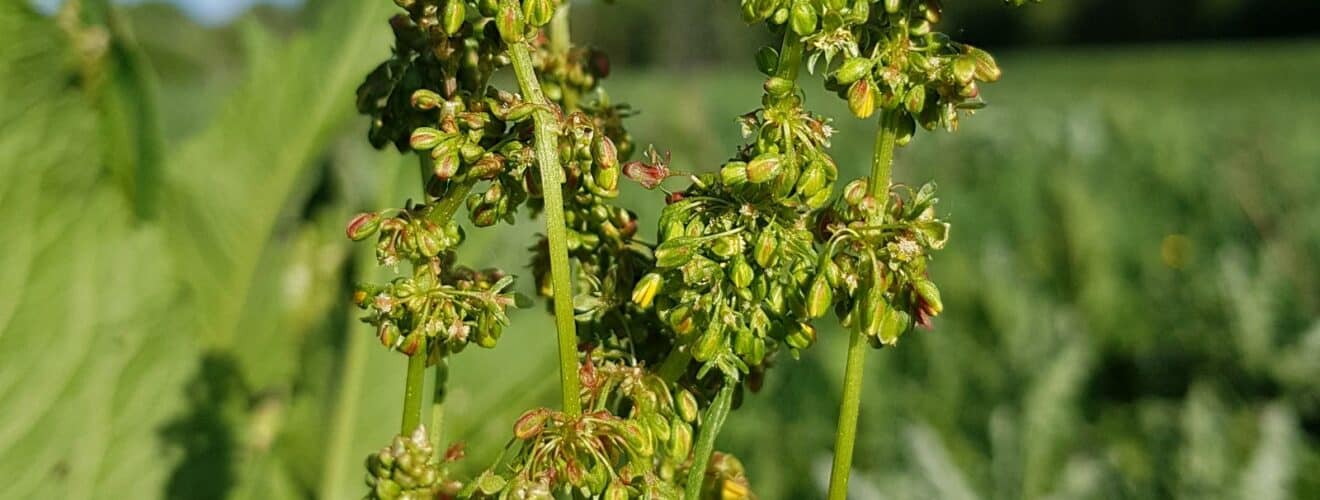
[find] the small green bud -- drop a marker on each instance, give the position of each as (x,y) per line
(763,169)
(779,87)
(930,294)
(964,68)
(987,70)
(676,252)
(425,138)
(802,337)
(740,272)
(709,344)
(764,251)
(734,174)
(820,297)
(853,69)
(453,16)
(531,423)
(861,98)
(538,12)
(509,22)
(813,180)
(680,442)
(425,100)
(892,6)
(916,99)
(803,18)
(363,226)
(686,403)
(644,293)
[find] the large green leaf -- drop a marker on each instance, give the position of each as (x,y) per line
(227,186)
(93,336)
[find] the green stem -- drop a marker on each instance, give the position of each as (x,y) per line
(412,391)
(552,176)
(710,428)
(674,365)
(790,56)
(438,407)
(846,431)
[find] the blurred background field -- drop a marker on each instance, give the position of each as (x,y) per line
(1132,288)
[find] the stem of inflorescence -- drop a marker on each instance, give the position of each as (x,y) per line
(552,177)
(846,432)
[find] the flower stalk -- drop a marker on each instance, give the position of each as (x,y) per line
(710,429)
(846,431)
(552,179)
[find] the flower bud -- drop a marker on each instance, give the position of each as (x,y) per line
(964,68)
(892,326)
(644,293)
(676,252)
(803,18)
(425,100)
(853,69)
(763,169)
(425,138)
(930,294)
(453,16)
(779,87)
(892,6)
(531,423)
(363,226)
(509,22)
(740,272)
(861,98)
(916,99)
(538,12)
(680,442)
(907,127)
(389,334)
(616,491)
(686,403)
(820,297)
(764,251)
(802,337)
(986,68)
(813,180)
(710,343)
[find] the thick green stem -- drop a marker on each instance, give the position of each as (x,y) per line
(710,428)
(790,56)
(674,365)
(846,431)
(438,392)
(412,392)
(552,177)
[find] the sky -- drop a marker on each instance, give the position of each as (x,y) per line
(209,12)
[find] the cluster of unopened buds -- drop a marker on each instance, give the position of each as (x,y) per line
(873,272)
(600,454)
(405,470)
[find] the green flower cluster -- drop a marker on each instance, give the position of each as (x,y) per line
(873,271)
(736,251)
(448,306)
(642,452)
(404,470)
